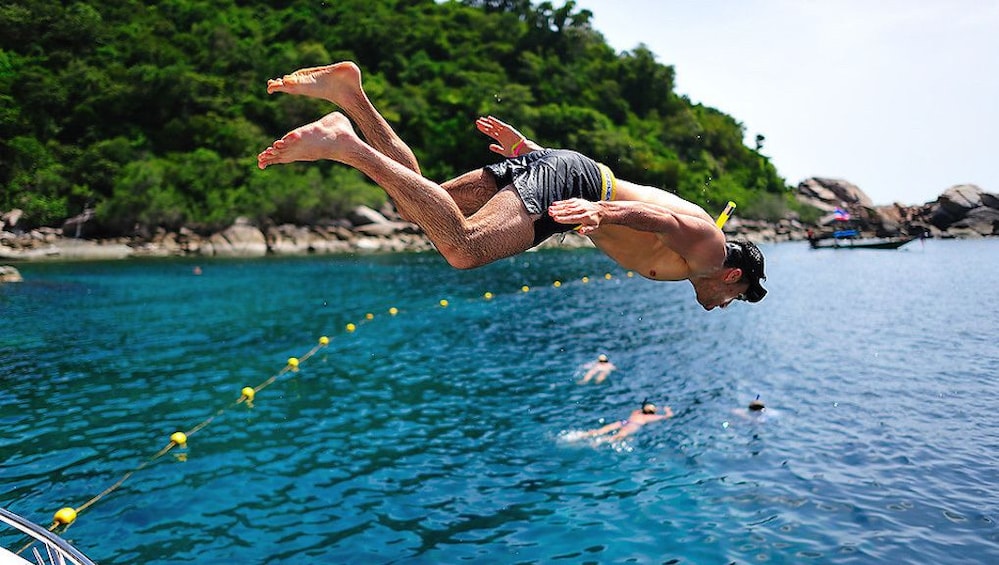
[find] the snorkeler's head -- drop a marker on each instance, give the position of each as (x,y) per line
(602,358)
(648,407)
(756,405)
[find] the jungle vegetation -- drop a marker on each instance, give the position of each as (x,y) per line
(151,113)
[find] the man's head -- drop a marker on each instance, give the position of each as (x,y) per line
(602,358)
(756,405)
(648,407)
(739,278)
(745,256)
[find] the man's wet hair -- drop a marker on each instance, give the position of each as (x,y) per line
(746,256)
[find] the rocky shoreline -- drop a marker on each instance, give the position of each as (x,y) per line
(961,211)
(363,231)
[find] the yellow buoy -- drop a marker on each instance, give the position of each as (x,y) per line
(65,516)
(369,316)
(525,288)
(557,284)
(488,296)
(586,279)
(350,328)
(393,311)
(324,340)
(180,438)
(293,362)
(248,393)
(608,276)
(443,303)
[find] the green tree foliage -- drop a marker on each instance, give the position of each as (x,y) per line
(152,112)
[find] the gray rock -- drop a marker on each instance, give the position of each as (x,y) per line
(9,274)
(239,240)
(825,194)
(959,200)
(362,216)
(981,220)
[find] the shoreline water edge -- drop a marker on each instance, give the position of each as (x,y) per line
(962,211)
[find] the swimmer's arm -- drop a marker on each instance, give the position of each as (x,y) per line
(509,141)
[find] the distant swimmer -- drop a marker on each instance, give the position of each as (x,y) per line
(757,411)
(508,207)
(598,370)
(646,414)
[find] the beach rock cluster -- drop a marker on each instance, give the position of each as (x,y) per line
(960,211)
(963,211)
(364,230)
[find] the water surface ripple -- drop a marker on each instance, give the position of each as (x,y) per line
(442,435)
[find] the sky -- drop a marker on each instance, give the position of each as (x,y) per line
(899,97)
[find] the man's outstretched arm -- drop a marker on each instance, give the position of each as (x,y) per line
(686,234)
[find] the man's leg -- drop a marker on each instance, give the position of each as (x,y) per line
(500,228)
(340,84)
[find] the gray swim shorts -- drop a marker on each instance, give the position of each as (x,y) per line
(547,176)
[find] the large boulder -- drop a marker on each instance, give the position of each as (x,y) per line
(288,239)
(965,208)
(239,240)
(9,274)
(961,199)
(826,194)
(981,220)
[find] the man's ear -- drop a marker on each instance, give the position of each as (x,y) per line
(733,275)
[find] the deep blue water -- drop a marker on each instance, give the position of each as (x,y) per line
(443,434)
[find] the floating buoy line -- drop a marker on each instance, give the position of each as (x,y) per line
(66,516)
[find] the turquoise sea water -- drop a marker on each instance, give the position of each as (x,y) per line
(444,434)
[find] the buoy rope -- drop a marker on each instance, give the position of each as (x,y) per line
(67,515)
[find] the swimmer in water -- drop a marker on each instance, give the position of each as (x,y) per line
(508,207)
(646,414)
(757,411)
(598,370)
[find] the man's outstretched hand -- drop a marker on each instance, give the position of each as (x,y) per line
(576,211)
(509,141)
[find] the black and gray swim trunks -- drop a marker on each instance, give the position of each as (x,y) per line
(547,176)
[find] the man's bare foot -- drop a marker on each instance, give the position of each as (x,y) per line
(325,138)
(338,83)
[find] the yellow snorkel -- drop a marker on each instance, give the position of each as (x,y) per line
(725,215)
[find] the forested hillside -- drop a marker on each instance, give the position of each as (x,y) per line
(152,113)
